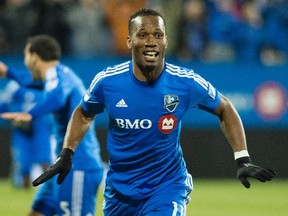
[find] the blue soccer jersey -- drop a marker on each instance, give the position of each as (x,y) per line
(145,122)
(26,148)
(63,91)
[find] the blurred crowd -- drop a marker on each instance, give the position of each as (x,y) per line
(205,30)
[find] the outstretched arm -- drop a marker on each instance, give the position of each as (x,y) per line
(233,130)
(22,77)
(77,128)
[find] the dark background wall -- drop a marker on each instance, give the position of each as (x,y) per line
(208,154)
(5,157)
(206,151)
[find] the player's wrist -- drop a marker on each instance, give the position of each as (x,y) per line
(243,160)
(240,154)
(66,152)
(242,157)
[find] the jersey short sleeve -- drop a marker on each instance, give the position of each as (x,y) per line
(93,100)
(208,96)
(202,93)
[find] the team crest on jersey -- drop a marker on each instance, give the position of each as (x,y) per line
(171,102)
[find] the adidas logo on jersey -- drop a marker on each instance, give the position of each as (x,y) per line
(121,103)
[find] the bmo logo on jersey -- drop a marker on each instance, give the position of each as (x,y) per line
(136,124)
(167,123)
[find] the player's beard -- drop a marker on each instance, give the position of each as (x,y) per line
(146,69)
(151,72)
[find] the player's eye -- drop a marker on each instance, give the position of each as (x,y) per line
(158,35)
(142,35)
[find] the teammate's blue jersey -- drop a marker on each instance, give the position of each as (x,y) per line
(145,122)
(21,99)
(30,144)
(17,98)
(63,91)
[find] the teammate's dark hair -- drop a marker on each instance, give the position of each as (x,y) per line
(45,46)
(143,12)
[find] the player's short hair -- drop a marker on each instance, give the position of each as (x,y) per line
(143,12)
(45,46)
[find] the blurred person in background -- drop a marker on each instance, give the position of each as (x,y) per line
(223,16)
(90,34)
(5,31)
(50,20)
(250,33)
(62,92)
(30,143)
(22,19)
(193,37)
(275,16)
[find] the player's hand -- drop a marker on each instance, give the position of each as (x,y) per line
(3,69)
(246,169)
(62,166)
(18,119)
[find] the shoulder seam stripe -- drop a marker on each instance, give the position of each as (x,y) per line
(104,74)
(110,71)
(188,74)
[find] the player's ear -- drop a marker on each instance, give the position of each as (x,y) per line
(129,42)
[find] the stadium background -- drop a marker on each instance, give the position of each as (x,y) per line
(258,92)
(240,46)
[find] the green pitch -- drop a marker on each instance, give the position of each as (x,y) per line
(209,198)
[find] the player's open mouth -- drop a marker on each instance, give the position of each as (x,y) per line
(150,55)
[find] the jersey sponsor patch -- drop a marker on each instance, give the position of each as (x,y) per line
(133,124)
(167,123)
(171,102)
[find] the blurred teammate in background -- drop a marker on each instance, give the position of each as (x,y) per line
(146,99)
(30,143)
(62,92)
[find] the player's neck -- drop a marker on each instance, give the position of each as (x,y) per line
(147,74)
(46,65)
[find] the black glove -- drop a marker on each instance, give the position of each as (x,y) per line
(62,165)
(247,169)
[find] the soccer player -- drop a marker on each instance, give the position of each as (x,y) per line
(26,150)
(62,92)
(146,99)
